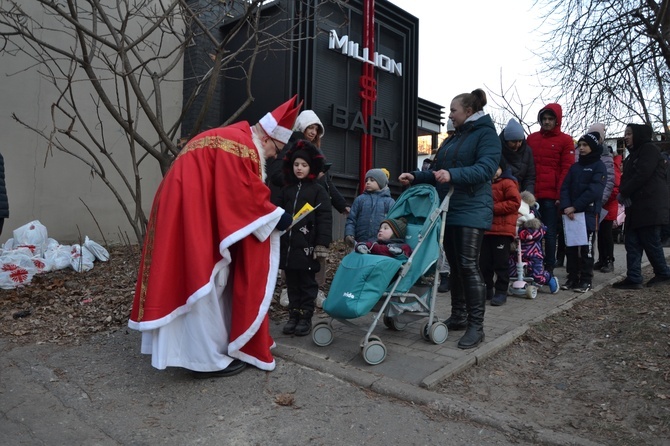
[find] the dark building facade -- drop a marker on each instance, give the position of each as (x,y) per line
(355,64)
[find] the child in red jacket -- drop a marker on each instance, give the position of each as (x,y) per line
(390,240)
(494,255)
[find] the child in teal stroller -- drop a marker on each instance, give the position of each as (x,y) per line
(362,280)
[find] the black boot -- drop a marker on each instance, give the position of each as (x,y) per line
(459,313)
(475,298)
(293,316)
(444,283)
(304,326)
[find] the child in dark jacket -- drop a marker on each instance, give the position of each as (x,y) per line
(369,209)
(390,240)
(582,191)
(307,240)
(494,255)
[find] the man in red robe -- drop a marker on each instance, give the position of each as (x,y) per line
(211,253)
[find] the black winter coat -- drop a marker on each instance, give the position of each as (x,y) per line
(4,202)
(521,163)
(583,188)
(644,181)
(298,243)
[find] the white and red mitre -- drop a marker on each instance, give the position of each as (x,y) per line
(279,122)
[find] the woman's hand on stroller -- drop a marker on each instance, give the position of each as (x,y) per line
(406,178)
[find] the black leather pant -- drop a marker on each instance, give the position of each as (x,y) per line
(468,290)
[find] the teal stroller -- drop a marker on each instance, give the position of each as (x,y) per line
(362,280)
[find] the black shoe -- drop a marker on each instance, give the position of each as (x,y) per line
(498,299)
(569,285)
(582,288)
(304,327)
(598,265)
(472,338)
(445,286)
(233,368)
(658,280)
(607,267)
(456,323)
(627,284)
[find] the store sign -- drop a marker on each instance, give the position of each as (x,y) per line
(377,127)
(353,50)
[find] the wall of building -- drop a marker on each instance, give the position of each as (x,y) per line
(56,188)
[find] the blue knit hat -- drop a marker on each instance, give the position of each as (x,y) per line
(513,131)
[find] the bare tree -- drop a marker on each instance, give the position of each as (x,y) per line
(508,103)
(122,58)
(608,61)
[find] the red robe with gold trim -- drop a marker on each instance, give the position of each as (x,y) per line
(210,258)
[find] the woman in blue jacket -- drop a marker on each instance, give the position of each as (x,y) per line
(467,161)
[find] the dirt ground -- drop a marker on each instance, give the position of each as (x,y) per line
(600,370)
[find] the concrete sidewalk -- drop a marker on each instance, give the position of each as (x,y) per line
(413,361)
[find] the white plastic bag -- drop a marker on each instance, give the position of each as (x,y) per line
(81,259)
(32,235)
(98,251)
(58,255)
(16,269)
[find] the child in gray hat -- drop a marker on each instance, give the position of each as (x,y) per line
(369,209)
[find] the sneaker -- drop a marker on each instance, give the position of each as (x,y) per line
(627,284)
(658,280)
(569,284)
(553,285)
(498,299)
(607,267)
(582,288)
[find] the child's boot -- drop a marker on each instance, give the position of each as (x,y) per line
(304,326)
(293,317)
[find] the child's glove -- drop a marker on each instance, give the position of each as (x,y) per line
(350,240)
(362,248)
(395,250)
(320,252)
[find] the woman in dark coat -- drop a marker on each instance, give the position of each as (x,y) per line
(4,203)
(467,161)
(518,155)
(644,193)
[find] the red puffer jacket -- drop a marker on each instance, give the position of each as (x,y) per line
(553,153)
(506,202)
(612,205)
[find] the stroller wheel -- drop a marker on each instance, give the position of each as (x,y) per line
(374,352)
(393,324)
(438,333)
(322,334)
(531,291)
(424,331)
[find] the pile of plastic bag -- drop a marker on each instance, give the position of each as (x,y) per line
(31,252)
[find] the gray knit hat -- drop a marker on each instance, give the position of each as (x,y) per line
(379,176)
(513,131)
